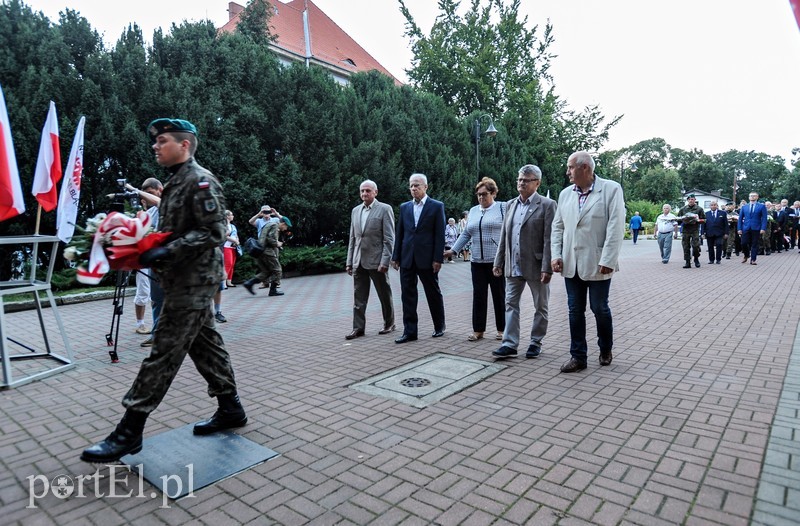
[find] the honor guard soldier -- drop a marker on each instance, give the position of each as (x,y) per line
(692,216)
(189,268)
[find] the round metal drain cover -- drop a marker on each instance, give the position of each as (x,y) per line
(415,382)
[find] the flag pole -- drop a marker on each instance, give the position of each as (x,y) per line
(38,219)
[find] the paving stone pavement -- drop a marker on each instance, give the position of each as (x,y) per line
(695,422)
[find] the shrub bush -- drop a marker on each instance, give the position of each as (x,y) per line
(303,260)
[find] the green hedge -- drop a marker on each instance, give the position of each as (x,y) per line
(304,260)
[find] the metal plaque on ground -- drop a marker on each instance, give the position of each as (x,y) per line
(425,381)
(179,462)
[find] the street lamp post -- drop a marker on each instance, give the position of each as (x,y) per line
(491,131)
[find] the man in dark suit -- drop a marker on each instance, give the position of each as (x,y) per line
(752,225)
(418,253)
(716,230)
(368,254)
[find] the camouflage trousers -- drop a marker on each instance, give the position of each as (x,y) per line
(181,332)
(733,242)
(691,243)
(269,269)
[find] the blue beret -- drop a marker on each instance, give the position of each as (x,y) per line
(286,220)
(159,126)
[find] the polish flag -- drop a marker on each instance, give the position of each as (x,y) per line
(48,165)
(67,212)
(11,200)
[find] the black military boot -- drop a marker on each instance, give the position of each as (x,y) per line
(229,415)
(697,262)
(126,439)
(688,264)
(249,285)
(273,290)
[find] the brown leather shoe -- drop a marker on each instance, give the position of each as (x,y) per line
(357,333)
(605,358)
(387,330)
(573,366)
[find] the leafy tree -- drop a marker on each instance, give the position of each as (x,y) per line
(254,22)
(487,61)
(658,185)
(755,171)
(703,174)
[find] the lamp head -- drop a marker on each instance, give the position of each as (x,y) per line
(491,131)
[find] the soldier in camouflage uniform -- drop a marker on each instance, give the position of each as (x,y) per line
(189,267)
(693,216)
(268,264)
(733,234)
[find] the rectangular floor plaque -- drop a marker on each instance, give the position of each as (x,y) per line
(428,380)
(179,462)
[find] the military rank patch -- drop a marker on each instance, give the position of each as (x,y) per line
(210,204)
(203,184)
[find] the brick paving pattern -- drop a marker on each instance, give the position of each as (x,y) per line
(695,422)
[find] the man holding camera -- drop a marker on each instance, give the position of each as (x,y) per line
(189,266)
(268,264)
(264,216)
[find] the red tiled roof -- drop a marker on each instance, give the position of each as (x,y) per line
(330,44)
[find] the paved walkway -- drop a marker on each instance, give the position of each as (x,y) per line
(696,421)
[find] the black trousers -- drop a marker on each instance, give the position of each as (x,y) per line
(410,298)
(482,278)
(714,246)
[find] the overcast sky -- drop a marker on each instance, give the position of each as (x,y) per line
(709,74)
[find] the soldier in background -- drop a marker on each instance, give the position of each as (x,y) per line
(693,216)
(733,241)
(269,265)
(189,267)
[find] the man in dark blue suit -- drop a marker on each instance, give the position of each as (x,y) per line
(418,253)
(752,225)
(716,230)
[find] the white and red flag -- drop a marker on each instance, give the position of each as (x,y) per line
(796,8)
(48,165)
(67,212)
(11,201)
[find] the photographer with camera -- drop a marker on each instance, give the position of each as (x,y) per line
(269,266)
(264,216)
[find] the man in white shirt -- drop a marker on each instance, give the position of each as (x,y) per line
(666,231)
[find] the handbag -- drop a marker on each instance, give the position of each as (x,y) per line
(253,247)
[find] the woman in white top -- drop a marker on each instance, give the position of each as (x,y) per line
(482,231)
(230,249)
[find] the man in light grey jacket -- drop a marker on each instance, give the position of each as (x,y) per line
(587,236)
(524,256)
(368,255)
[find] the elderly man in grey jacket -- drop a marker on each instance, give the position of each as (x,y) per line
(524,256)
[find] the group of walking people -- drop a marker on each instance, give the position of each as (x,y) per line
(514,244)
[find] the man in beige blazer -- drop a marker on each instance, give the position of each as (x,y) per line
(587,235)
(524,256)
(368,255)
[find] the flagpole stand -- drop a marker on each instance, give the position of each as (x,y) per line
(28,283)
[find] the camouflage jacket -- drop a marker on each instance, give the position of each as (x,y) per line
(269,240)
(192,209)
(696,210)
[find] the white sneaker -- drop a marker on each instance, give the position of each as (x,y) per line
(142,329)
